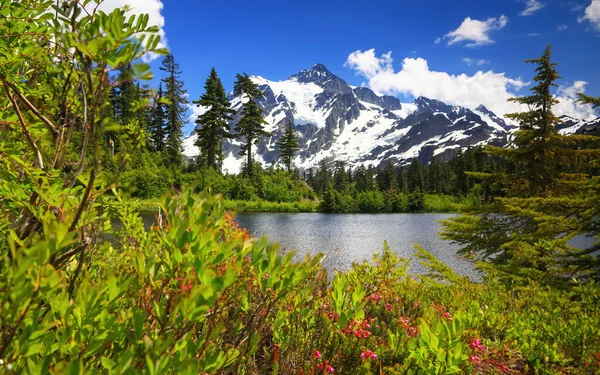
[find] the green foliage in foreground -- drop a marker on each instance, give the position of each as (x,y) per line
(195,295)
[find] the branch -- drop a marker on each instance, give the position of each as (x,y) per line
(32,108)
(24,127)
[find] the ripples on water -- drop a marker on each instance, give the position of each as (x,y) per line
(348,238)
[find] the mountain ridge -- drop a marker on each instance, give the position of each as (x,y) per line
(337,122)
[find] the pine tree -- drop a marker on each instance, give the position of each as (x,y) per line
(435,177)
(415,176)
(123,96)
(585,99)
(157,122)
(402,180)
(387,178)
(175,110)
(214,123)
(251,125)
(288,145)
(547,198)
(340,177)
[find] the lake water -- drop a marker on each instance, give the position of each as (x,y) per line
(348,238)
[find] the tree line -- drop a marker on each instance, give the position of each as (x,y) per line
(165,113)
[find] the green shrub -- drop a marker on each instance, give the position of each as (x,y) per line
(371,201)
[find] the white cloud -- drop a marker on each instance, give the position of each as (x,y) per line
(415,78)
(562,27)
(567,96)
(151,7)
(475,32)
(592,14)
(534,34)
(469,61)
(532,6)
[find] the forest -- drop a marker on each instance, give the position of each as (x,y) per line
(82,139)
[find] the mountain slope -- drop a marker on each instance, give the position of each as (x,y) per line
(337,122)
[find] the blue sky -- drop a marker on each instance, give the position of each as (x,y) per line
(276,39)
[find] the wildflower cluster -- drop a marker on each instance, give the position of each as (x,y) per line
(368,354)
(331,315)
(475,346)
(359,329)
(411,331)
(443,312)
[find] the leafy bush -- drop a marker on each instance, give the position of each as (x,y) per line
(371,201)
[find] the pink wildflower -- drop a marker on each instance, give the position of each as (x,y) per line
(318,355)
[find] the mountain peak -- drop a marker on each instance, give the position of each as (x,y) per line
(483,109)
(320,68)
(322,77)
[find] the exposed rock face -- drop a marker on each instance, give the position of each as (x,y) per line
(335,121)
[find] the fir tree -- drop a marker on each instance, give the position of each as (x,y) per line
(288,145)
(586,99)
(435,177)
(415,177)
(547,199)
(175,110)
(251,125)
(387,178)
(214,123)
(340,177)
(157,122)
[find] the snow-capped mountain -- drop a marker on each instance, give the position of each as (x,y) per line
(338,122)
(572,125)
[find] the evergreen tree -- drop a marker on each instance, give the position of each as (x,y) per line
(288,145)
(585,99)
(123,96)
(127,104)
(402,180)
(322,178)
(548,197)
(415,176)
(251,125)
(360,178)
(157,122)
(340,177)
(214,123)
(387,178)
(435,177)
(175,110)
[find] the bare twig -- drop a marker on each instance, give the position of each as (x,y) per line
(32,108)
(24,126)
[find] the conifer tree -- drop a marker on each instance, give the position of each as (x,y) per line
(387,178)
(214,123)
(402,181)
(340,177)
(288,145)
(123,96)
(175,110)
(415,177)
(157,122)
(586,99)
(251,125)
(435,177)
(547,196)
